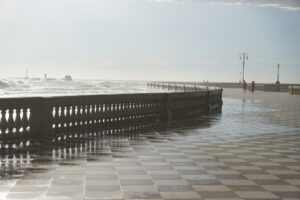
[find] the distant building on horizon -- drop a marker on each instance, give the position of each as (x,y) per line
(68,78)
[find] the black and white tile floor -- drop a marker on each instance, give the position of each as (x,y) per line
(251,151)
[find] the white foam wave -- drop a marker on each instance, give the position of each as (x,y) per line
(31,87)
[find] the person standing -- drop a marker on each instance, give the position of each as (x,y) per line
(244,86)
(252,86)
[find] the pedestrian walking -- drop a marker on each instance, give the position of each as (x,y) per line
(244,86)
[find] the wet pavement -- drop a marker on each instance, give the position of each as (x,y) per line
(250,151)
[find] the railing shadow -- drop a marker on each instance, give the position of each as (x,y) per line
(22,158)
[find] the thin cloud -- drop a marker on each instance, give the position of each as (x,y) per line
(293,5)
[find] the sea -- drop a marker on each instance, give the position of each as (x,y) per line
(21,87)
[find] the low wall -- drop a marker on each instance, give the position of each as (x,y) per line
(294,90)
(276,88)
(43,117)
(190,99)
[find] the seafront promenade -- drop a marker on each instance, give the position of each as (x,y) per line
(250,151)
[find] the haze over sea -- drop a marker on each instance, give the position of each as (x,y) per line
(174,40)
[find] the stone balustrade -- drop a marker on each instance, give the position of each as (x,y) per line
(44,117)
(190,99)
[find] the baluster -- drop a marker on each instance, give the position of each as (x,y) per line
(56,117)
(75,116)
(111,110)
(103,115)
(26,120)
(10,122)
(134,107)
(107,112)
(52,117)
(111,116)
(90,114)
(96,116)
(118,113)
(86,114)
(100,114)
(65,117)
(93,111)
(60,124)
(18,122)
(60,118)
(81,115)
(127,110)
(22,116)
(71,116)
(78,116)
(145,107)
(68,118)
(115,114)
(3,124)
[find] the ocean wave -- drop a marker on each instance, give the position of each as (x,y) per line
(16,87)
(3,84)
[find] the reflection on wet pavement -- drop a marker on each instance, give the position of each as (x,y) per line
(251,150)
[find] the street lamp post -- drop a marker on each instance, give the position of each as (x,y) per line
(244,57)
(277,82)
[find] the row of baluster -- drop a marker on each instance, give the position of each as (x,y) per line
(15,121)
(74,116)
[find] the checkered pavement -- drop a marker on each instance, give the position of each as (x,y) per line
(247,153)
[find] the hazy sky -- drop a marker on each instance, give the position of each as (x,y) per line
(192,40)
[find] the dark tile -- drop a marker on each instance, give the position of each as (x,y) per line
(158,167)
(220,195)
(142,195)
(136,182)
(103,188)
(203,182)
(229,176)
(101,177)
(245,188)
(270,182)
(132,172)
(288,176)
(174,188)
(288,194)
(192,172)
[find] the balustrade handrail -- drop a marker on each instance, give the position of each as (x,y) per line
(193,86)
